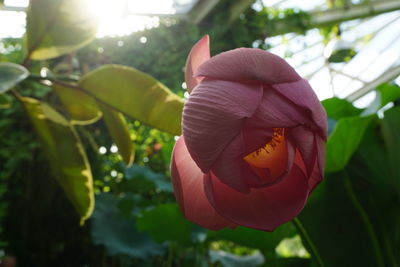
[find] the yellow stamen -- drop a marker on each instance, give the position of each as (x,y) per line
(272,156)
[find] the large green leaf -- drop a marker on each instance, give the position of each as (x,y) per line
(65,154)
(81,107)
(385,93)
(118,129)
(287,262)
(391,134)
(344,140)
(388,93)
(266,241)
(374,172)
(337,108)
(137,95)
(117,231)
(162,217)
(337,227)
(57,27)
(10,75)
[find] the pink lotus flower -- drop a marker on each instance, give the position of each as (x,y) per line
(253,141)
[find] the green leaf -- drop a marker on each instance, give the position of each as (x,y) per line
(57,27)
(165,222)
(337,108)
(287,262)
(374,172)
(117,232)
(385,93)
(137,95)
(253,238)
(388,93)
(118,129)
(65,154)
(344,140)
(142,178)
(391,134)
(5,101)
(337,226)
(10,75)
(81,107)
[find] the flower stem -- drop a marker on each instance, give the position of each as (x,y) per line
(368,226)
(306,238)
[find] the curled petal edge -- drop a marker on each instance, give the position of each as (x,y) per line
(188,182)
(199,54)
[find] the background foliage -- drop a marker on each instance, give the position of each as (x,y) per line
(118,136)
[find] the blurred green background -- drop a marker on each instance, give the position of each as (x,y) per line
(60,133)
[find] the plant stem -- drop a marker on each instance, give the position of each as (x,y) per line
(306,238)
(368,226)
(16,94)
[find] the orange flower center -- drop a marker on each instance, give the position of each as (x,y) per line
(269,161)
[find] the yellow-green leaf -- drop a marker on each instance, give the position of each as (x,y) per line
(119,132)
(65,153)
(81,107)
(57,27)
(5,101)
(137,95)
(10,75)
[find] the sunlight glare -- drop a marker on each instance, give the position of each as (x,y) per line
(151,7)
(116,16)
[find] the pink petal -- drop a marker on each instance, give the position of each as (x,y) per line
(263,208)
(255,135)
(248,64)
(301,94)
(214,114)
(232,170)
(318,173)
(315,178)
(300,162)
(188,182)
(198,55)
(276,111)
(303,139)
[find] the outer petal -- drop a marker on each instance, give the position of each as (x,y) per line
(198,55)
(318,172)
(303,138)
(301,94)
(189,190)
(248,64)
(214,114)
(255,135)
(232,170)
(276,111)
(263,208)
